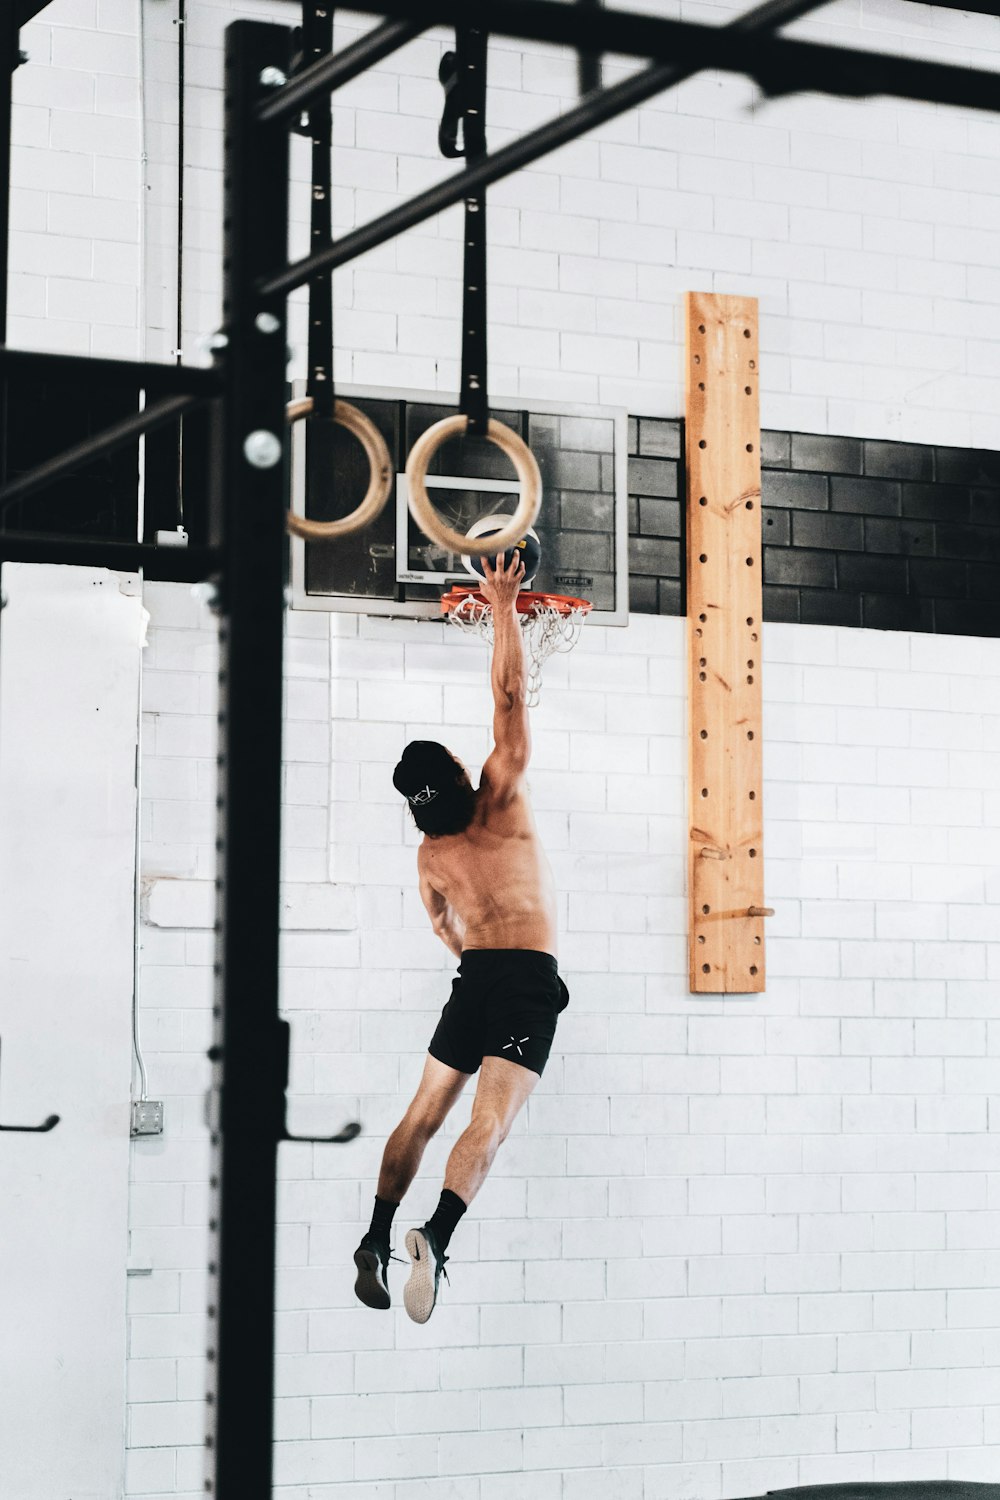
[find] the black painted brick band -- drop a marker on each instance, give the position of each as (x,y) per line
(885,535)
(821,529)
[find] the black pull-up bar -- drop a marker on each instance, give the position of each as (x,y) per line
(119,435)
(743,46)
(339,68)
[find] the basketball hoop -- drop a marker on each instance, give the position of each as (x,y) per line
(549,623)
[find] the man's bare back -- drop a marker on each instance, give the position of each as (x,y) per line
(494,878)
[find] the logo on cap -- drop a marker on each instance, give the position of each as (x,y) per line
(419,798)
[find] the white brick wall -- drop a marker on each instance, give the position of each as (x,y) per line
(733,1244)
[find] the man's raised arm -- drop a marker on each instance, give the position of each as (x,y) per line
(508,762)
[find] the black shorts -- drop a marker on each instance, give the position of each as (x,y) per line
(504,1003)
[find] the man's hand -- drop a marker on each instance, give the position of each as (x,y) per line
(501,585)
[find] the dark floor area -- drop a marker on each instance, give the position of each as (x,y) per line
(908,1489)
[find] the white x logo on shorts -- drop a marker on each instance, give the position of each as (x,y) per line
(515,1043)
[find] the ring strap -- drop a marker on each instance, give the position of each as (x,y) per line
(464,81)
(317,42)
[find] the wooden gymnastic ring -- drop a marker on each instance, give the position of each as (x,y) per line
(379,484)
(426,516)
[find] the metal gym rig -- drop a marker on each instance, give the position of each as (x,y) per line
(246,556)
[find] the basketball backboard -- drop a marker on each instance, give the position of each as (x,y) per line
(392,568)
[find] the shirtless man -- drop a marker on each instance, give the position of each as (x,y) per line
(489,893)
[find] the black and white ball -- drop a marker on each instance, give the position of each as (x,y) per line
(528,546)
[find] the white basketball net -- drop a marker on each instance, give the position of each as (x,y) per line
(545,631)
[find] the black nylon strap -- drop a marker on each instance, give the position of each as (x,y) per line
(470,82)
(317,41)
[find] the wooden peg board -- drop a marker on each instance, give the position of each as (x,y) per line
(724,592)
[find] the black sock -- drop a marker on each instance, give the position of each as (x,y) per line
(381,1225)
(445,1218)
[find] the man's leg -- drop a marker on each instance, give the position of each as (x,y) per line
(438,1090)
(503,1090)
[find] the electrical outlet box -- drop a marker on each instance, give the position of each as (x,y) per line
(147,1117)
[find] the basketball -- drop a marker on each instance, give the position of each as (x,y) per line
(529,548)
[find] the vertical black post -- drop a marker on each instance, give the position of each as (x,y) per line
(251,1049)
(317,42)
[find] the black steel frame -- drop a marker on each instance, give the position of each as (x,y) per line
(247,554)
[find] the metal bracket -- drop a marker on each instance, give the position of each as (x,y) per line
(49,1124)
(348,1132)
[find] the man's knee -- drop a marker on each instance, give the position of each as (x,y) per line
(491,1129)
(424,1118)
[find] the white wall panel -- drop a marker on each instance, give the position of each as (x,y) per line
(69,675)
